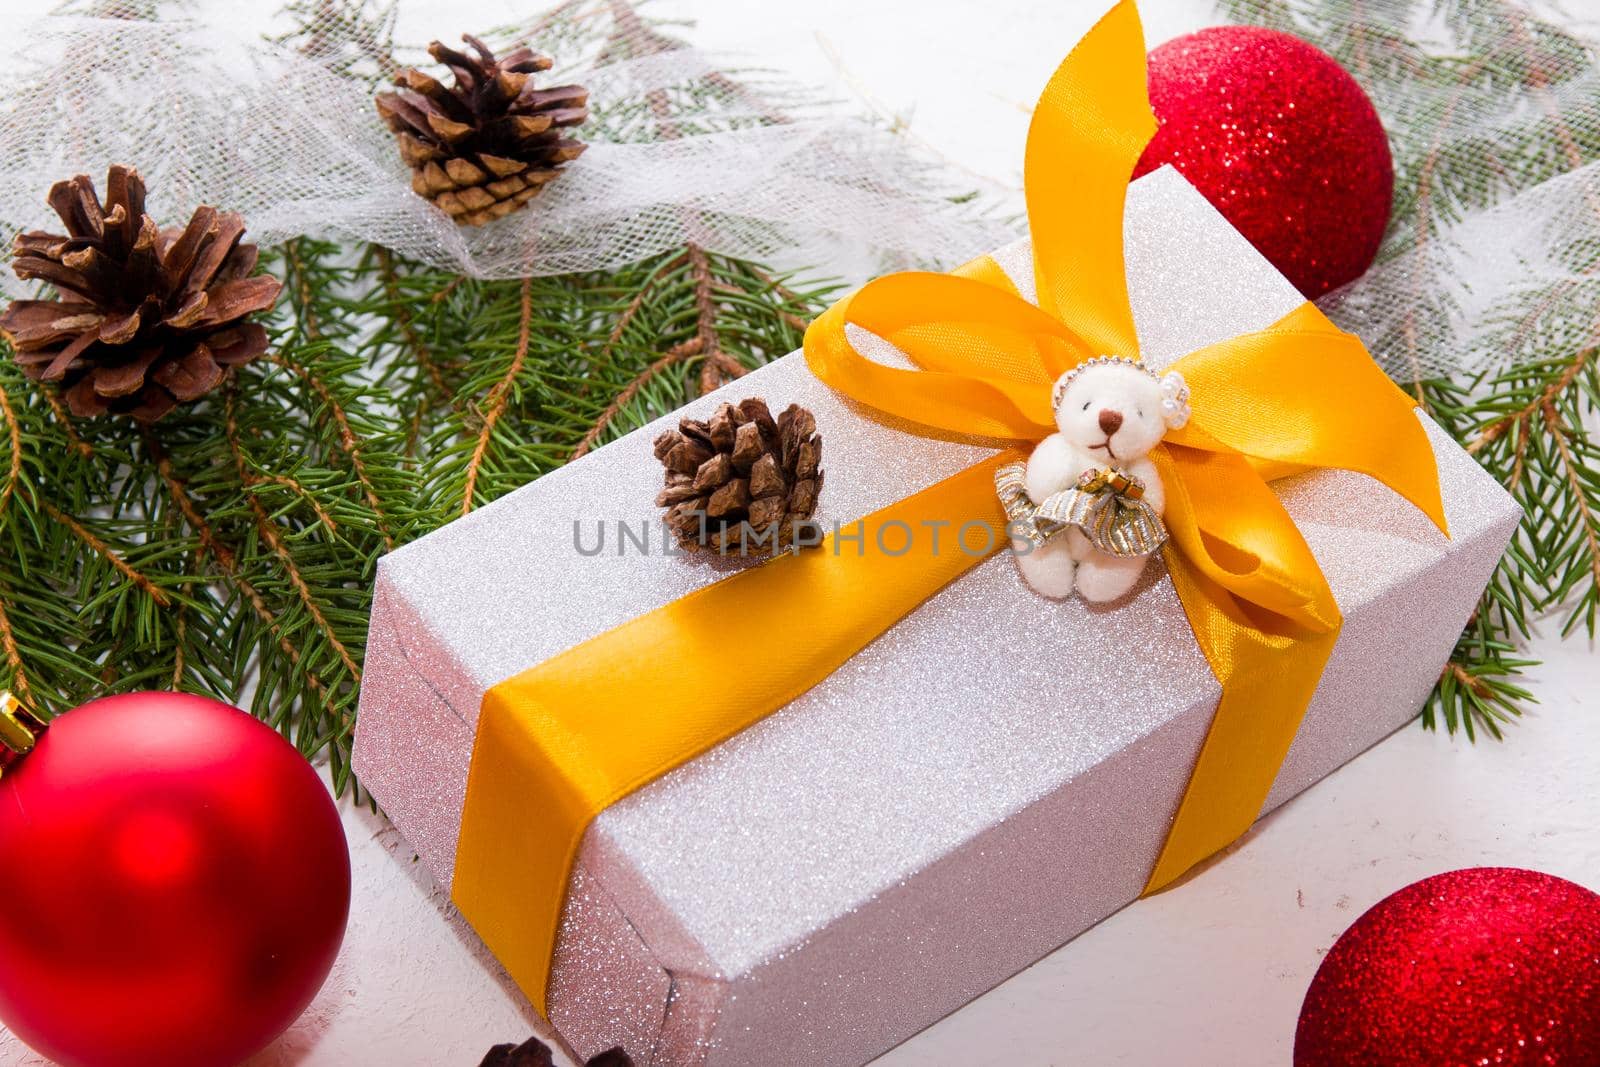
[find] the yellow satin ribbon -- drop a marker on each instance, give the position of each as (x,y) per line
(1298,395)
(560,742)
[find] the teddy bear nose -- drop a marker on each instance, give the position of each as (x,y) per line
(1110,421)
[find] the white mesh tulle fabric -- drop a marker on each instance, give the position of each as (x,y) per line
(1492,114)
(1500,251)
(1499,284)
(212,111)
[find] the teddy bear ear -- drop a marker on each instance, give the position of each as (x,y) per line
(1174,400)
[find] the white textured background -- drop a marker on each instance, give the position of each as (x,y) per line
(1210,975)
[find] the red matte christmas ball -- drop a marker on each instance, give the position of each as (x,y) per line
(1489,965)
(176,884)
(1282,141)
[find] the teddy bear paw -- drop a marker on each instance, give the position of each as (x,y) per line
(1049,569)
(1108,578)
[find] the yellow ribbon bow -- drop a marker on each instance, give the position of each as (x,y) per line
(1297,395)
(560,742)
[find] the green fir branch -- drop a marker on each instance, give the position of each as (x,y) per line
(230,548)
(1531,424)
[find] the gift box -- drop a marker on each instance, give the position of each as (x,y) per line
(987,779)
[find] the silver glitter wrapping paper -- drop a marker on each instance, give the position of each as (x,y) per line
(988,779)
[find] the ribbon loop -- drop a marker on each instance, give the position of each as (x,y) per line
(1007,409)
(1087,134)
(1306,394)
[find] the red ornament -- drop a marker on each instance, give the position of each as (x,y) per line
(1489,965)
(176,884)
(1282,141)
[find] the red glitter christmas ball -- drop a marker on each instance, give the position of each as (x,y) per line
(176,884)
(1282,141)
(1489,965)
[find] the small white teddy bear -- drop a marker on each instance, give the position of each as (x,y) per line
(1111,412)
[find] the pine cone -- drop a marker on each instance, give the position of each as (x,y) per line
(742,482)
(535,1053)
(146,318)
(485,146)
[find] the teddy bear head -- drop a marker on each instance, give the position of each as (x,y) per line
(1116,409)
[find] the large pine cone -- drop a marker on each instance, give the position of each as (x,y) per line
(742,482)
(147,318)
(485,146)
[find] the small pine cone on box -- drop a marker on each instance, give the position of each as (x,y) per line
(486,145)
(145,318)
(742,482)
(535,1053)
